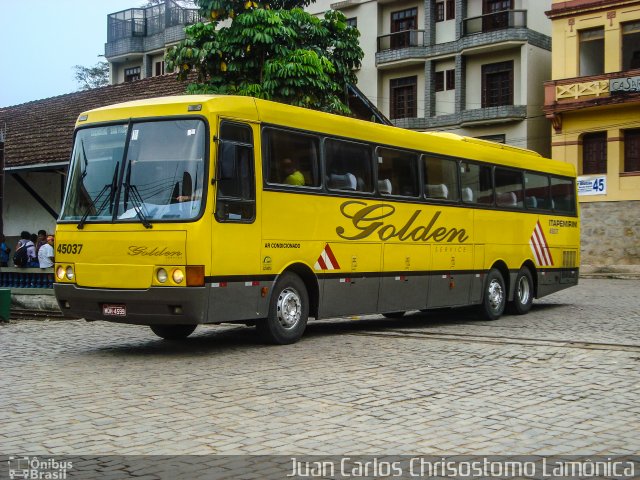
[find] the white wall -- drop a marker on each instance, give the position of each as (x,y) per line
(445,100)
(20,211)
(536,18)
(367,16)
(474,8)
(446,31)
(537,63)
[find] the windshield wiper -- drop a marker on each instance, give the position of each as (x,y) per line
(136,198)
(131,191)
(111,188)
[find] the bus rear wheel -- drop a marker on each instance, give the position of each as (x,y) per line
(495,296)
(523,295)
(173,332)
(288,311)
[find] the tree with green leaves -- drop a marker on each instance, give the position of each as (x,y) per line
(270,49)
(92,77)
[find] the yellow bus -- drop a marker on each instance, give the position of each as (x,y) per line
(189,210)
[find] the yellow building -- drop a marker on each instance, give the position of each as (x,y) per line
(593,102)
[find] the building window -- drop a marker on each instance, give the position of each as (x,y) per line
(131,74)
(631,46)
(445,80)
(496,14)
(404,97)
(493,6)
(439,80)
(404,20)
(352,22)
(402,24)
(591,51)
(450,9)
(439,12)
(159,68)
(594,153)
(445,10)
(497,84)
(632,150)
(497,138)
(450,79)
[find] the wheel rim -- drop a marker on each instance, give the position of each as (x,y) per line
(495,295)
(289,308)
(524,290)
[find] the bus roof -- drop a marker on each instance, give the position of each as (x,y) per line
(264,111)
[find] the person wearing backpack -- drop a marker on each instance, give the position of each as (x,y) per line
(25,255)
(4,252)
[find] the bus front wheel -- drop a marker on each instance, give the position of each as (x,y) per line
(288,311)
(523,295)
(173,332)
(495,296)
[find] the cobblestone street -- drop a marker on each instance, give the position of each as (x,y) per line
(562,380)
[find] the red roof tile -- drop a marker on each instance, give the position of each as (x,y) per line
(41,132)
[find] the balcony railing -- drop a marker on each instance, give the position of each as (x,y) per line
(140,22)
(124,24)
(495,21)
(399,40)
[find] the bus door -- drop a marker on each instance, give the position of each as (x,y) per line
(234,291)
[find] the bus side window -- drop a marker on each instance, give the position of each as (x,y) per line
(509,191)
(235,177)
(291,158)
(477,184)
(440,178)
(397,172)
(348,165)
(563,195)
(536,191)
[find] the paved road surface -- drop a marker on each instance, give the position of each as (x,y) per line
(563,379)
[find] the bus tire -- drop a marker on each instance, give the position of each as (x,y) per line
(523,294)
(288,311)
(173,332)
(495,296)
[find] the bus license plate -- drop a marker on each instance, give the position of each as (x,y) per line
(110,310)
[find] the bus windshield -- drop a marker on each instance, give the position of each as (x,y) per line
(137,172)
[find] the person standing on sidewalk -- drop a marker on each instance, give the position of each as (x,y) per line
(46,253)
(25,244)
(4,252)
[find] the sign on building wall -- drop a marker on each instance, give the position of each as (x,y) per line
(592,185)
(624,85)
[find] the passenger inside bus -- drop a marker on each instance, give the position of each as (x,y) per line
(291,173)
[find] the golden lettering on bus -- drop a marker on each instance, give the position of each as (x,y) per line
(367,220)
(145,251)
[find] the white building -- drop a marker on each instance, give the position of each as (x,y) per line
(473,67)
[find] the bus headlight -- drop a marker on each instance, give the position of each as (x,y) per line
(177,275)
(161,275)
(70,273)
(60,272)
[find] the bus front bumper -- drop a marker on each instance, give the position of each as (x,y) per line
(152,306)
